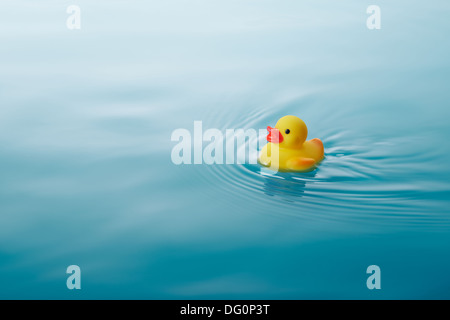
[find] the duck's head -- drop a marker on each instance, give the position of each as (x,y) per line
(289,132)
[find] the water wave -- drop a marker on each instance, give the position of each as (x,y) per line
(362,178)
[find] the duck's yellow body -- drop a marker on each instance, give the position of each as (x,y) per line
(288,150)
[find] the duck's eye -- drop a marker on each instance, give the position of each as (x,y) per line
(287,131)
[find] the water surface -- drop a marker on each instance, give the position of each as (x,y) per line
(86,118)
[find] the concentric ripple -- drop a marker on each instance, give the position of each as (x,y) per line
(364,178)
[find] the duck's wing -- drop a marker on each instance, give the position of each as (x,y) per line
(300,163)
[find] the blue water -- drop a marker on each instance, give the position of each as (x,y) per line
(86,176)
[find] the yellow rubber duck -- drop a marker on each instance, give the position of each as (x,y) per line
(288,149)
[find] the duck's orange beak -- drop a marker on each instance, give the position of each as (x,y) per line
(274,135)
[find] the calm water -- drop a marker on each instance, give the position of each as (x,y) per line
(86,177)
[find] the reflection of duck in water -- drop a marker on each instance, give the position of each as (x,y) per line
(288,149)
(287,188)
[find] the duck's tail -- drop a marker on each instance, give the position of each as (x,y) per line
(318,148)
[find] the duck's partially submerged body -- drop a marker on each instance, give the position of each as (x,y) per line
(288,150)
